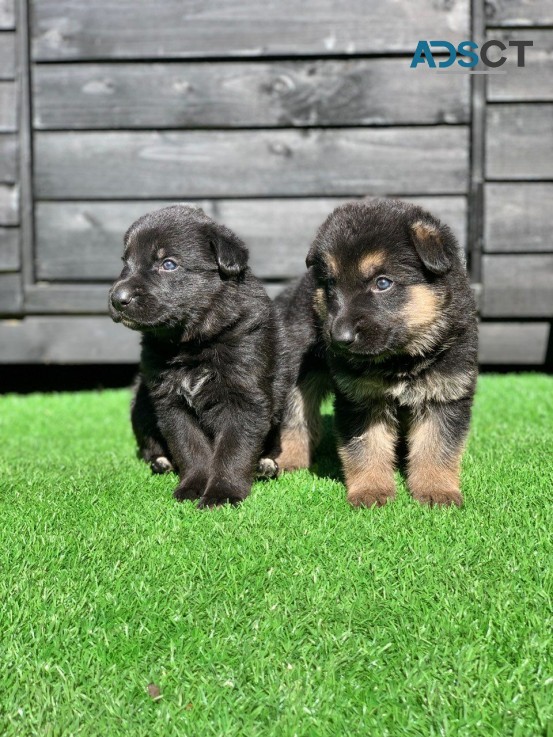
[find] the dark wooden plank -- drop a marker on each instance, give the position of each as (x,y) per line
(517,286)
(522,343)
(67,340)
(519,217)
(9,249)
(531,82)
(8,158)
(519,12)
(7,14)
(64,29)
(519,141)
(9,205)
(8,106)
(251,163)
(259,94)
(7,55)
(11,295)
(83,240)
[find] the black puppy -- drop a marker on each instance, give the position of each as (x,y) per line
(386,313)
(212,376)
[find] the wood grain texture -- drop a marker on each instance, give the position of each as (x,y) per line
(7,14)
(517,286)
(7,55)
(518,343)
(518,140)
(67,340)
(66,29)
(9,249)
(8,107)
(11,296)
(9,204)
(251,163)
(519,218)
(8,158)
(259,94)
(531,82)
(519,13)
(83,240)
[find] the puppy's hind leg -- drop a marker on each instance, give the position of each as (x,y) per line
(152,447)
(302,424)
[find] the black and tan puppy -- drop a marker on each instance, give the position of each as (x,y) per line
(387,304)
(212,379)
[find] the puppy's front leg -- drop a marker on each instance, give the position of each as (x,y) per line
(436,439)
(191,450)
(367,439)
(237,450)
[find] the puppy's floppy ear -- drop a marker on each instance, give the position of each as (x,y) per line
(230,252)
(430,244)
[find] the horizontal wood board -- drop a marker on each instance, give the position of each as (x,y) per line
(83,240)
(184,164)
(245,94)
(519,217)
(104,29)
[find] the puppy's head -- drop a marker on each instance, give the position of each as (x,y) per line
(176,260)
(382,271)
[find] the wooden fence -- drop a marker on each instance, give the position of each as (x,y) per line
(267,115)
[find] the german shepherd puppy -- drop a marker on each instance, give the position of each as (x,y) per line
(386,313)
(212,383)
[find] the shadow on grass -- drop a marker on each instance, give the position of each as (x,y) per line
(327,462)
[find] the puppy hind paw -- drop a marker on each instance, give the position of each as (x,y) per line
(161,464)
(267,468)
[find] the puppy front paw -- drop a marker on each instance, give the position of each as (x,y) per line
(191,487)
(370,497)
(161,464)
(439,497)
(221,492)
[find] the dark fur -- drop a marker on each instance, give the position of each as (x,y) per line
(212,378)
(403,362)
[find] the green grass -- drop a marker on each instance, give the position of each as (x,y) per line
(290,615)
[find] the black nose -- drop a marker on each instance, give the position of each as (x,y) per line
(342,334)
(121,298)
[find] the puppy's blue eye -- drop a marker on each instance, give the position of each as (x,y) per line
(383,283)
(168,265)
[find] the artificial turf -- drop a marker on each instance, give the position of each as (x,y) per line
(123,612)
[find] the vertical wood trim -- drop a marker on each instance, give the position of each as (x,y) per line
(477,151)
(25,144)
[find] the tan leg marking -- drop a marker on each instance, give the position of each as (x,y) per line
(433,471)
(302,425)
(368,462)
